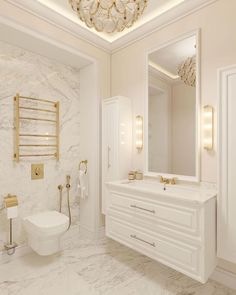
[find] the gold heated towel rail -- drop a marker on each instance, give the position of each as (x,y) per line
(19,135)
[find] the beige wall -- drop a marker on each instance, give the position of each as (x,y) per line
(218,49)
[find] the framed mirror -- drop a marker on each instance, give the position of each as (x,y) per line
(172,109)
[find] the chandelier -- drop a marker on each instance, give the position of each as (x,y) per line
(109,15)
(187,71)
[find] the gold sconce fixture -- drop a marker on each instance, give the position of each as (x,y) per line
(139,133)
(208,127)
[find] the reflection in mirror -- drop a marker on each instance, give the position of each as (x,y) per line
(172,109)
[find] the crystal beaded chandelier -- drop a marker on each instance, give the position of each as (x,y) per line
(187,71)
(108,15)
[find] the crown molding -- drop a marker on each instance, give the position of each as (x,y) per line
(171,16)
(39,10)
(60,21)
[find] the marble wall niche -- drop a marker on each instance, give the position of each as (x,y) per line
(33,75)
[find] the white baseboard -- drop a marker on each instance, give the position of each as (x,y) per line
(224,277)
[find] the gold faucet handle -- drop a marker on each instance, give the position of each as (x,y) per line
(164,180)
(168,180)
(174,180)
(161,179)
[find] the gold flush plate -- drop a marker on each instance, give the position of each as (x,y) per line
(37,171)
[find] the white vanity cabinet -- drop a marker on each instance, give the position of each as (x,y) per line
(176,228)
(116,141)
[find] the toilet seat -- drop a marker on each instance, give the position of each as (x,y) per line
(47,223)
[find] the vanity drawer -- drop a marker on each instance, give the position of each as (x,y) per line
(168,251)
(154,213)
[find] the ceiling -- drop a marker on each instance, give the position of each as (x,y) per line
(157,14)
(170,57)
(154,8)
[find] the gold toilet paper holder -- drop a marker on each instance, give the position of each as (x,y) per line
(10,201)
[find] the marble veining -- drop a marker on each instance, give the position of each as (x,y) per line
(97,267)
(33,75)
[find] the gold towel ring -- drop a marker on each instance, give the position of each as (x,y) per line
(85,163)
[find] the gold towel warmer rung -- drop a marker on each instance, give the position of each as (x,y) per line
(38,99)
(37,119)
(37,135)
(38,155)
(37,109)
(85,163)
(38,145)
(19,107)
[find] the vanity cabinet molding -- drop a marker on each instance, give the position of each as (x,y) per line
(178,233)
(226,245)
(116,141)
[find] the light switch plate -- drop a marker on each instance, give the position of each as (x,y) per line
(37,171)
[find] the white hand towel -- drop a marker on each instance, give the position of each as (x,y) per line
(83,184)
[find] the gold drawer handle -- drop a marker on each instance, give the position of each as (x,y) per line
(141,240)
(140,208)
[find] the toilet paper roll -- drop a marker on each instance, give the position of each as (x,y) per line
(12,212)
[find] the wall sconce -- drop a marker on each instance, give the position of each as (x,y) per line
(139,133)
(208,125)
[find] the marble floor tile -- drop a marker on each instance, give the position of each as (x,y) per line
(97,267)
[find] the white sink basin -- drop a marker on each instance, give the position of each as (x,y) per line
(187,192)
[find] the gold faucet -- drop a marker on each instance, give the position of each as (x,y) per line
(168,180)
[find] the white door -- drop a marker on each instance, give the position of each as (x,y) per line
(227,165)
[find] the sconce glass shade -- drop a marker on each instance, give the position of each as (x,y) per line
(139,133)
(208,125)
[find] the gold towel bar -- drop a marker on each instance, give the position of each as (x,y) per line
(39,99)
(37,109)
(37,119)
(37,135)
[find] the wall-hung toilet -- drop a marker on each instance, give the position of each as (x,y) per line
(44,231)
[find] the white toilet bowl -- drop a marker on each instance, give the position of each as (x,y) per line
(44,231)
